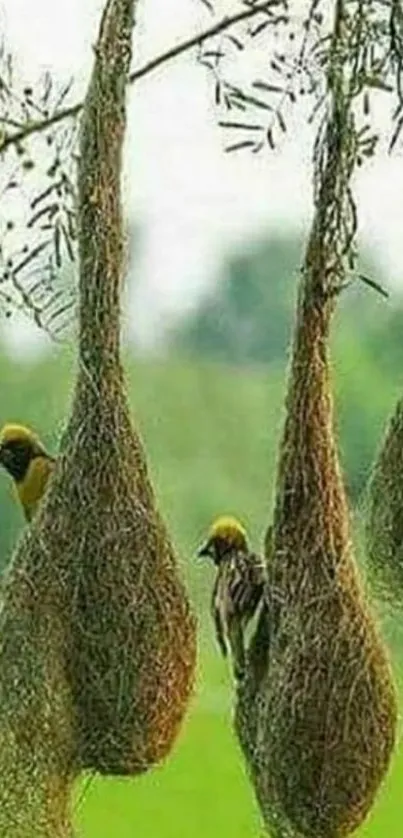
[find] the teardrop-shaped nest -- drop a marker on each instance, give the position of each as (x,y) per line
(97,640)
(383,505)
(316,716)
(104,668)
(130,634)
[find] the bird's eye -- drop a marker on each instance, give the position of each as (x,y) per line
(7,458)
(19,449)
(14,455)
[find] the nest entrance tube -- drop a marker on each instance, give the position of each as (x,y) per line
(316,715)
(98,643)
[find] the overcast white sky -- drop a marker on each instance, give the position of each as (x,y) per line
(191,198)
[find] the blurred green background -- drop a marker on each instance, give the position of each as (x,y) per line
(209,408)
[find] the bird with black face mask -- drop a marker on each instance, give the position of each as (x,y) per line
(238,587)
(28,463)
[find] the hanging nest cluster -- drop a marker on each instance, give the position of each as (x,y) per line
(383,514)
(316,714)
(97,652)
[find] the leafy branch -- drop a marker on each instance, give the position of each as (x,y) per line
(38,222)
(288,45)
(306,61)
(33,126)
(300,54)
(298,59)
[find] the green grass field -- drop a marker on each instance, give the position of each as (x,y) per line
(203,790)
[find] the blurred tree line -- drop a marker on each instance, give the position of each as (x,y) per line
(211,410)
(246,319)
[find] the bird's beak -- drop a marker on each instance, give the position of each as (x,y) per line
(204,550)
(3,456)
(6,457)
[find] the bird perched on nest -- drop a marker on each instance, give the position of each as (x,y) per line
(238,588)
(28,463)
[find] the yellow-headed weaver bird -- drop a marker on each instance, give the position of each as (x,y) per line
(28,463)
(238,587)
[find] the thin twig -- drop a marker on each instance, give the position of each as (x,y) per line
(36,126)
(373,284)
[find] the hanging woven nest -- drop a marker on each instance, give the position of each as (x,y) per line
(316,717)
(98,638)
(316,714)
(131,648)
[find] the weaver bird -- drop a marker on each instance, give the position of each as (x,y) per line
(238,588)
(30,466)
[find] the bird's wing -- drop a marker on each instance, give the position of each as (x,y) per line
(33,486)
(236,642)
(246,583)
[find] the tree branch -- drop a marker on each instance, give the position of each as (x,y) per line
(37,126)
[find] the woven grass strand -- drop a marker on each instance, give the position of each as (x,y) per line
(97,650)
